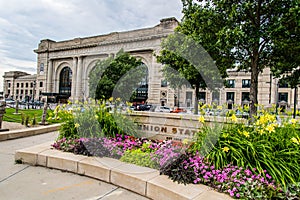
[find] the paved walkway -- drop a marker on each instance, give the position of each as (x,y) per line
(22,182)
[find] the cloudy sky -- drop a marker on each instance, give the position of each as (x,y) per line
(24,23)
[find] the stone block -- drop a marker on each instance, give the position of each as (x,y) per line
(61,160)
(98,168)
(26,157)
(133,177)
(211,194)
(162,187)
(29,155)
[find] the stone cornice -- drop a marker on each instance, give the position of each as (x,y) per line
(105,43)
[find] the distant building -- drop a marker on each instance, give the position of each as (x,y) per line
(21,86)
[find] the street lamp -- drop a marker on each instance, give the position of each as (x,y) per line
(33,91)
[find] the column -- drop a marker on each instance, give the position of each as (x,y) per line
(79,94)
(49,76)
(74,79)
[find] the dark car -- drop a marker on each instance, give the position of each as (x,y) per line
(143,107)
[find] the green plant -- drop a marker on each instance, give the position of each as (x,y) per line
(139,157)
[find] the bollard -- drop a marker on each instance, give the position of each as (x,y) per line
(2,112)
(43,122)
(17,108)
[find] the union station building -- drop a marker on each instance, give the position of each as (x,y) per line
(63,69)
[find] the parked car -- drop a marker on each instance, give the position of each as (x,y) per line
(143,107)
(178,110)
(163,109)
(9,101)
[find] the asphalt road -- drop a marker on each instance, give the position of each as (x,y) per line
(24,182)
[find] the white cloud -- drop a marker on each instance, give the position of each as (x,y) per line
(24,23)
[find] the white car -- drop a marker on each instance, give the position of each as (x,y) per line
(163,109)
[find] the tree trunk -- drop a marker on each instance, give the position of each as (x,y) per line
(196,100)
(254,85)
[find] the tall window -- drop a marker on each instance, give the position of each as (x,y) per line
(230,96)
(202,96)
(41,84)
(246,83)
(65,81)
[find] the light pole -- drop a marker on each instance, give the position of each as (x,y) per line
(33,91)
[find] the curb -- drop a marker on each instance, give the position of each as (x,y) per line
(28,132)
(142,180)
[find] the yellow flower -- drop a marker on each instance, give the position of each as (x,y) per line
(270,128)
(261,131)
(246,133)
(201,119)
(111,99)
(186,141)
(96,116)
(225,149)
(294,140)
(234,118)
(219,107)
(293,121)
(77,125)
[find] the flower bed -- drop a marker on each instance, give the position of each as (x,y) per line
(172,159)
(257,161)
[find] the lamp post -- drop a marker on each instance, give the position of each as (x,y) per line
(33,91)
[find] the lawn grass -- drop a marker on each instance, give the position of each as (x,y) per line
(9,116)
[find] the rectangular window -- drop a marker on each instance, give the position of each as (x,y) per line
(202,96)
(17,91)
(230,96)
(41,84)
(27,85)
(8,91)
(22,91)
(216,96)
(164,83)
(18,85)
(31,85)
(9,85)
(230,83)
(246,83)
(245,96)
(283,96)
(22,85)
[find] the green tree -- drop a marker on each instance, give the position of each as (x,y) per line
(115,76)
(191,55)
(244,34)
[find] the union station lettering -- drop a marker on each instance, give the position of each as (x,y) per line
(156,129)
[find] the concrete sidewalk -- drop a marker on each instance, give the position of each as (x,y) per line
(22,182)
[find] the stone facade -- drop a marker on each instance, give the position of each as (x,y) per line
(80,55)
(21,86)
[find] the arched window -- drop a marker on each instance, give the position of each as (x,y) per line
(65,81)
